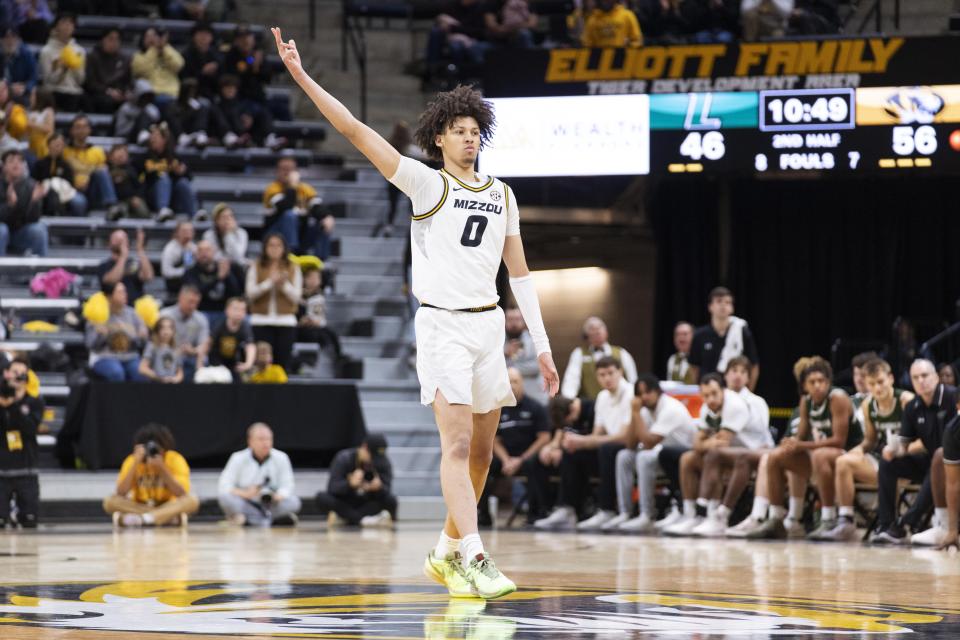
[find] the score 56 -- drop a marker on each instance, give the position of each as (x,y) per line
(906,140)
(709,145)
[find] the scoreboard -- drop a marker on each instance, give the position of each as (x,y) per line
(782,131)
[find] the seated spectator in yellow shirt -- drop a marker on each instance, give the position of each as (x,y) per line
(264,371)
(153,487)
(612,25)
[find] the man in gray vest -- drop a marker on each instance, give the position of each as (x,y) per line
(580,378)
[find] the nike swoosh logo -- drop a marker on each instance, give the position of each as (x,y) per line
(458,188)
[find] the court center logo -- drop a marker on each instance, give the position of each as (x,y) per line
(381,610)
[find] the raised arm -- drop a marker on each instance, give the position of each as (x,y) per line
(377,150)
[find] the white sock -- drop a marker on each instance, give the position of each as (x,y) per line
(777,512)
(828,513)
(446,546)
(846,512)
(796,508)
(147,518)
(723,513)
(470,547)
(940,518)
(712,507)
(702,502)
(689,508)
(760,506)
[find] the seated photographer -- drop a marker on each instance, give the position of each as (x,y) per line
(359,488)
(256,487)
(153,486)
(20,415)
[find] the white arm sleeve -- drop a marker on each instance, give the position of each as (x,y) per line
(525,293)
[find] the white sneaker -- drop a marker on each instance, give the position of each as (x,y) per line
(794,528)
(672,518)
(932,537)
(844,531)
(614,522)
(596,521)
(131,520)
(561,518)
(740,530)
(640,524)
(382,519)
(711,527)
(683,527)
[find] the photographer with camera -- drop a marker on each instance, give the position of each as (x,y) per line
(153,487)
(20,415)
(256,487)
(359,488)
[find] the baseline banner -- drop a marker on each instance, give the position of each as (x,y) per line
(746,66)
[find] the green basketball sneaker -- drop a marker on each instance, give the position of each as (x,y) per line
(486,579)
(448,572)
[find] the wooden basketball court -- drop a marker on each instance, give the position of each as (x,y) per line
(88,582)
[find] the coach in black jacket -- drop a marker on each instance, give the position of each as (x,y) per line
(359,488)
(20,416)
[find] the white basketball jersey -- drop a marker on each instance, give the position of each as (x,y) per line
(457,235)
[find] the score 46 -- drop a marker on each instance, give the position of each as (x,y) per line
(697,146)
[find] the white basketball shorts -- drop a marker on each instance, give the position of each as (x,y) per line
(461,354)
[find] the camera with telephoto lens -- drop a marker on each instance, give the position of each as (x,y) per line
(7,390)
(153,449)
(369,475)
(266,498)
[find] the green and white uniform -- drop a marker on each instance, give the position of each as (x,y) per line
(857,400)
(888,425)
(821,421)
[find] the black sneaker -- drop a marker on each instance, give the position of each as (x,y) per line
(289,520)
(894,534)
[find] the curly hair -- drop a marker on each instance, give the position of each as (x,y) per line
(462,102)
(816,365)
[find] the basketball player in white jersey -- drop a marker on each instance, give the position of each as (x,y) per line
(463,224)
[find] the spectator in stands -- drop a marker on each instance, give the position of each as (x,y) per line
(126,185)
(725,338)
(248,64)
(202,62)
(658,421)
(158,63)
(233,123)
(108,75)
(296,211)
(137,114)
(232,344)
(229,240)
(216,279)
(20,210)
(511,23)
(585,456)
(256,487)
(274,287)
(132,271)
(19,66)
(359,489)
(162,360)
(166,178)
(765,18)
(520,353)
(41,122)
(13,121)
(461,29)
(20,417)
(153,486)
(678,365)
(612,25)
(192,327)
(264,371)
(62,64)
(909,455)
(663,21)
(312,315)
(183,9)
(89,164)
(56,176)
(815,17)
(947,373)
(32,18)
(523,430)
(190,117)
(179,254)
(580,379)
(566,415)
(401,139)
(115,345)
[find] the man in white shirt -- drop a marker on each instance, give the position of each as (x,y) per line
(580,380)
(256,487)
(586,456)
(658,420)
(724,419)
